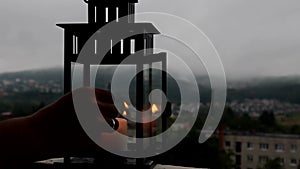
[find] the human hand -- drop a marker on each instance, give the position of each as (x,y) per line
(59,131)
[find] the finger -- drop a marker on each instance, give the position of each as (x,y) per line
(104,96)
(108,110)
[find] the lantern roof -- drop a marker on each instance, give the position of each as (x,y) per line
(107,1)
(131,27)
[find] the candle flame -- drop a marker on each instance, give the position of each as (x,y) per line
(126,105)
(154,108)
(124,113)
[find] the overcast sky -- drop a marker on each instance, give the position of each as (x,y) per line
(253,37)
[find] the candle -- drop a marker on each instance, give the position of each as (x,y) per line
(113,138)
(148,122)
(122,126)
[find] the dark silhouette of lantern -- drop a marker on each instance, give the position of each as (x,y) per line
(101,13)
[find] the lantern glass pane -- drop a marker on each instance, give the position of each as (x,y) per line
(77,69)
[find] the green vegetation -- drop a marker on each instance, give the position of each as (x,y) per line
(273,164)
(284,92)
(291,119)
(23,104)
(267,122)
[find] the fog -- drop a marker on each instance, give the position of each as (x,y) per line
(253,38)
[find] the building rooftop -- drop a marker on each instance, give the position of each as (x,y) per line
(271,135)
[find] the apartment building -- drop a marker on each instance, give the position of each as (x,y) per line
(252,151)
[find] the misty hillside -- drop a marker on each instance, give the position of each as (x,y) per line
(41,75)
(280,88)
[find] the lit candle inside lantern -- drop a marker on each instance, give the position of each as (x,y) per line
(122,126)
(149,123)
(126,105)
(154,108)
(124,113)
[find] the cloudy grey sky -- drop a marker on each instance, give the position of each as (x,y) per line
(253,37)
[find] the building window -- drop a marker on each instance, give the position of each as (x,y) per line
(279,147)
(122,46)
(238,147)
(250,158)
(264,146)
(262,159)
(106,14)
(227,143)
(132,46)
(293,162)
(238,160)
(293,148)
(249,145)
(117,14)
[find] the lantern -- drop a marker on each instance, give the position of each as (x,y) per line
(101,13)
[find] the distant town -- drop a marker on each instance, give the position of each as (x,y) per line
(242,97)
(254,107)
(9,87)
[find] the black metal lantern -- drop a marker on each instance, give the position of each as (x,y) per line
(99,14)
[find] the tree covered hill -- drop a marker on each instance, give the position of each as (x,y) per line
(25,91)
(281,88)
